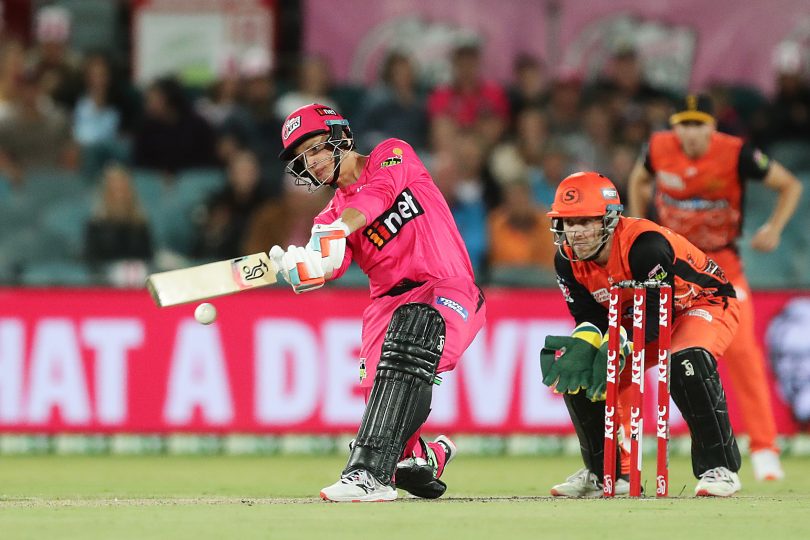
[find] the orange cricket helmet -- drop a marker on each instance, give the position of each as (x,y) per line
(585,194)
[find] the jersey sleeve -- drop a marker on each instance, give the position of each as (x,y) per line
(582,306)
(328,215)
(652,257)
(753,163)
(379,193)
(347,261)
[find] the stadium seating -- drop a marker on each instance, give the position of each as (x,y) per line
(522,276)
(795,155)
(57,272)
(65,221)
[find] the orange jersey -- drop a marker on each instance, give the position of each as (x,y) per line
(702,198)
(641,250)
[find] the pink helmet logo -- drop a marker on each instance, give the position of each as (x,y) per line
(290,126)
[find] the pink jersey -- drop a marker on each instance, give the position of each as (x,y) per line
(410,232)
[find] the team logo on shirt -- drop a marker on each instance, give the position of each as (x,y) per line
(393,160)
(396,159)
(566,292)
(452,304)
(388,224)
(670,180)
(761,160)
(658,273)
(602,295)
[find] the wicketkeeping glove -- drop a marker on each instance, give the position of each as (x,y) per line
(300,267)
(330,242)
(567,361)
(597,390)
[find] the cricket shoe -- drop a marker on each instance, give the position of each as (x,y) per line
(585,484)
(718,482)
(358,485)
(766,465)
(417,475)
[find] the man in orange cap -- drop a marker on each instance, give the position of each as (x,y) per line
(597,248)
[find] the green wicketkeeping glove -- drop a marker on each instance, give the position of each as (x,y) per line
(573,369)
(597,389)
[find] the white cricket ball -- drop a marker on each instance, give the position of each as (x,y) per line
(205,313)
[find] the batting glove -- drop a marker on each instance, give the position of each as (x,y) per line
(300,267)
(330,242)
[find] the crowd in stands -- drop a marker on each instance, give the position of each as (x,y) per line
(111,181)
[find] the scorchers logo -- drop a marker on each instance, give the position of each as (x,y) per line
(383,229)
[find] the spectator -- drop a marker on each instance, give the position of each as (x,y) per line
(12,61)
(592,146)
(521,159)
(622,159)
(97,118)
(564,103)
(469,100)
(253,125)
(35,133)
(790,112)
(396,108)
(118,230)
(624,77)
(229,212)
(58,65)
(530,87)
(220,101)
(171,135)
(313,86)
(520,232)
(457,175)
(728,119)
(555,166)
(284,221)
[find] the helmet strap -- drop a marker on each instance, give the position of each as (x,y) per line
(339,144)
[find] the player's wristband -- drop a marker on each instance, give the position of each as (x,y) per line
(589,333)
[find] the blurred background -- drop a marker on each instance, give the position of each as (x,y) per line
(142,135)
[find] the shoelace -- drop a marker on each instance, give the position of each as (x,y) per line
(582,473)
(357,477)
(718,473)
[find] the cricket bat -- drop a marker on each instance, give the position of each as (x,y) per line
(213,279)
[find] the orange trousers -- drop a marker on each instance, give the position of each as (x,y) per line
(746,363)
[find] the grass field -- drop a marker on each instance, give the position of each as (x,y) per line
(53,497)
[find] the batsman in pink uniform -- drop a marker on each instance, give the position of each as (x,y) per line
(388,217)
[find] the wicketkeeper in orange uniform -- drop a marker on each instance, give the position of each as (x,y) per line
(598,248)
(699,177)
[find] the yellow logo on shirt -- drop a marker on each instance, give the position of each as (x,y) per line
(393,160)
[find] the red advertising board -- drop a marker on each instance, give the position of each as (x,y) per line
(109,361)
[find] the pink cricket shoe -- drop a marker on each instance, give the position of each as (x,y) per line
(419,476)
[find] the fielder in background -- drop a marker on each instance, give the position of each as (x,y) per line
(597,247)
(390,218)
(699,176)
